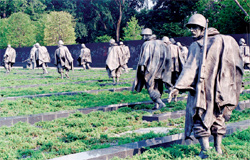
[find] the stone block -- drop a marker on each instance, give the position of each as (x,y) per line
(49,116)
(131,152)
(247,105)
(99,158)
(35,118)
(175,115)
(120,154)
(20,119)
(6,122)
(241,106)
(62,115)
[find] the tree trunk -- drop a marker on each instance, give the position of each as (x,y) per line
(120,3)
(246,14)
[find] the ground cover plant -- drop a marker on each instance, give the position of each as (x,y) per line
(26,106)
(235,146)
(77,133)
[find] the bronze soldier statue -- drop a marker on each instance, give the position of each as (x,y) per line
(114,61)
(42,57)
(32,57)
(85,57)
(126,56)
(213,76)
(63,59)
(245,53)
(184,52)
(9,58)
(154,68)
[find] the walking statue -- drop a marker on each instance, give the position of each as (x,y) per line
(32,57)
(126,56)
(177,60)
(114,61)
(63,59)
(9,58)
(212,75)
(154,68)
(42,57)
(245,53)
(84,58)
(183,53)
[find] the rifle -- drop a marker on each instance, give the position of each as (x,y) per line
(202,69)
(26,60)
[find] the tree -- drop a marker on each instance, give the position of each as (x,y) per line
(226,16)
(104,38)
(132,30)
(19,31)
(59,26)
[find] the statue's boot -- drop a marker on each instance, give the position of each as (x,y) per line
(217,143)
(204,142)
(67,75)
(117,79)
(62,75)
(156,106)
(45,71)
(114,80)
(88,66)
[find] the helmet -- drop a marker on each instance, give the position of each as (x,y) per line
(112,41)
(146,31)
(165,39)
(172,40)
(242,40)
(197,19)
(37,45)
(121,43)
(83,45)
(60,42)
(178,44)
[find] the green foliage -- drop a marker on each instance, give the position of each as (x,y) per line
(132,31)
(59,26)
(18,30)
(224,15)
(104,38)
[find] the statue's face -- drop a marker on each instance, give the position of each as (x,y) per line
(196,31)
(146,37)
(9,46)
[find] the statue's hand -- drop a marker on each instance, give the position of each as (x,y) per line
(172,94)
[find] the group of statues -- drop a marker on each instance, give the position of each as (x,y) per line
(117,59)
(39,57)
(211,72)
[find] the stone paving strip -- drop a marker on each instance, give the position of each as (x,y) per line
(131,149)
(31,119)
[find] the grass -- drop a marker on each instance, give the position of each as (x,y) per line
(76,133)
(235,146)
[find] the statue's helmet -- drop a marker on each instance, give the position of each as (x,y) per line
(146,31)
(165,39)
(178,44)
(112,41)
(83,45)
(242,40)
(8,45)
(37,45)
(197,19)
(60,42)
(121,43)
(172,40)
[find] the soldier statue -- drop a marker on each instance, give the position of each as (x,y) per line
(154,68)
(212,75)
(42,57)
(32,57)
(9,58)
(63,59)
(84,58)
(245,53)
(184,52)
(114,61)
(126,56)
(177,60)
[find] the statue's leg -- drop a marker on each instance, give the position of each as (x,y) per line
(9,67)
(44,68)
(156,94)
(60,70)
(84,67)
(88,66)
(113,75)
(118,73)
(67,73)
(218,129)
(204,142)
(201,133)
